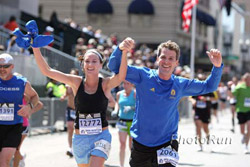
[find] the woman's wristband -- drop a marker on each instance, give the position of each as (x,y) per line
(31,105)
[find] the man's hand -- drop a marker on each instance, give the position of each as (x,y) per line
(127,44)
(25,111)
(215,57)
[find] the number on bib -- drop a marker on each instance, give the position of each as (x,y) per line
(7,112)
(167,155)
(90,124)
(247,102)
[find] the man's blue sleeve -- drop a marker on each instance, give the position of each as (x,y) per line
(133,73)
(195,87)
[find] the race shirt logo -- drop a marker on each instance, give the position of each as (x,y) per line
(173,92)
(9,88)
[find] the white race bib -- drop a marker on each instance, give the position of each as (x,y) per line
(232,101)
(7,111)
(201,104)
(103,146)
(167,155)
(91,124)
(247,102)
(223,94)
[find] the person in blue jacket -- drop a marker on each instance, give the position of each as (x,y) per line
(155,123)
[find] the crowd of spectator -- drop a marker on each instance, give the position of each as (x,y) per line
(141,55)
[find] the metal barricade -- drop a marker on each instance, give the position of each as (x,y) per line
(185,108)
(4,35)
(52,112)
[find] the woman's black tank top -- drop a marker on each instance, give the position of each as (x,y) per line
(91,104)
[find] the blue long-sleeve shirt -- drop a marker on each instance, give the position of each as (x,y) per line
(156,116)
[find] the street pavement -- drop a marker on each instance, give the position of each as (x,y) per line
(225,148)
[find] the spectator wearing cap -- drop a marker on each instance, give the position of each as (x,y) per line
(79,49)
(49,31)
(92,43)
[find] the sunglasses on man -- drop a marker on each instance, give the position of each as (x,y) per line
(5,66)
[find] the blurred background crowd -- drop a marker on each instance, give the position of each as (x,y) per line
(81,25)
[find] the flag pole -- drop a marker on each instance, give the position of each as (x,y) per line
(193,41)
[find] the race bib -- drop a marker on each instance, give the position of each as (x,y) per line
(201,104)
(232,101)
(72,114)
(90,124)
(223,95)
(7,111)
(167,155)
(214,101)
(103,146)
(247,102)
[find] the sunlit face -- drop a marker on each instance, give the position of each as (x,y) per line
(91,64)
(6,71)
(127,85)
(167,62)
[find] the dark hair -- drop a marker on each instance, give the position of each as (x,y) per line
(81,57)
(12,18)
(75,70)
(171,46)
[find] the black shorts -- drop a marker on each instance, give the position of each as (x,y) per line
(243,117)
(25,130)
(70,114)
(223,100)
(233,104)
(215,106)
(143,156)
(10,135)
(203,115)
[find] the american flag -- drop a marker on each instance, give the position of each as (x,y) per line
(187,14)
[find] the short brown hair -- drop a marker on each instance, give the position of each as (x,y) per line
(171,46)
(245,76)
